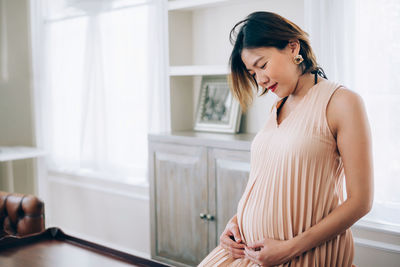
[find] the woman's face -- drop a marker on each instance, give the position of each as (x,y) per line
(273,68)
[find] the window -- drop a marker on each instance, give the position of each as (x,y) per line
(95,86)
(377,43)
(357,43)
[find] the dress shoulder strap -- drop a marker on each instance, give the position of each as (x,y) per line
(328,92)
(318,106)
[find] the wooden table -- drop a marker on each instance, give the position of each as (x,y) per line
(10,153)
(55,248)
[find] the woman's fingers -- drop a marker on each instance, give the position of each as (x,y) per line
(226,240)
(235,232)
(234,249)
(234,252)
(256,245)
(229,242)
(252,255)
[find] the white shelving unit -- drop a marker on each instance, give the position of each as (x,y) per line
(193,4)
(198,45)
(191,70)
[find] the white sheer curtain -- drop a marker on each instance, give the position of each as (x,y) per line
(357,43)
(98,75)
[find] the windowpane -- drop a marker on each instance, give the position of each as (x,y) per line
(377,79)
(98,84)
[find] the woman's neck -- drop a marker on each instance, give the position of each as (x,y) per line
(304,83)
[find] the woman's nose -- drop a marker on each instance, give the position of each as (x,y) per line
(262,80)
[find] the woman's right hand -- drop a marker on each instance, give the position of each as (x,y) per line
(231,241)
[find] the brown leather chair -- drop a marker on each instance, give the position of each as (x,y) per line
(20,215)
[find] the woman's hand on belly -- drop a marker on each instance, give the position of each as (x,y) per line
(231,241)
(268,252)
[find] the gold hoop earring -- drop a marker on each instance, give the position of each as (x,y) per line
(298,59)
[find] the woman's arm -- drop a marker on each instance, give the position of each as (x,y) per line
(348,121)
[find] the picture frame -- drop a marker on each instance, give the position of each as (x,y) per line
(217,109)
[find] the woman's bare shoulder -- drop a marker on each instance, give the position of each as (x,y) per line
(344,107)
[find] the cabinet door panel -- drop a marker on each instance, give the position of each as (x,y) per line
(228,173)
(180,181)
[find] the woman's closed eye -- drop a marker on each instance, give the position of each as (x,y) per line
(264,66)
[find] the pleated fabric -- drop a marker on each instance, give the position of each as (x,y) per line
(296,180)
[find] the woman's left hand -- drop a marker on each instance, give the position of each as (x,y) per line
(268,252)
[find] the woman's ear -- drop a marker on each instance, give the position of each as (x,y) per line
(294,46)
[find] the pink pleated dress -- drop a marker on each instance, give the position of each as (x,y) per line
(296,179)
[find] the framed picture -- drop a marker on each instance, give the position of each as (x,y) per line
(217,110)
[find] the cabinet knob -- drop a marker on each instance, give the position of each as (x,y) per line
(202,216)
(210,217)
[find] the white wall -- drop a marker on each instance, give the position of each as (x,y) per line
(106,212)
(15,95)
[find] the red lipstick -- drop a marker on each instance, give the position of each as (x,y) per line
(273,87)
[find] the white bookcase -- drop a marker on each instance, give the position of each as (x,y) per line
(192,4)
(198,45)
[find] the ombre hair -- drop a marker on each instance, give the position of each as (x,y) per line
(264,29)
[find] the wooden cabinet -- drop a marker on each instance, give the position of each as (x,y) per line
(228,173)
(180,194)
(196,181)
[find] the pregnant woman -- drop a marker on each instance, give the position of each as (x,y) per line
(293,211)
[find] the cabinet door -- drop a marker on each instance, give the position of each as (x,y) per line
(179,195)
(228,175)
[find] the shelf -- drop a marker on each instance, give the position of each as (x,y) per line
(200,70)
(220,140)
(9,153)
(193,4)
